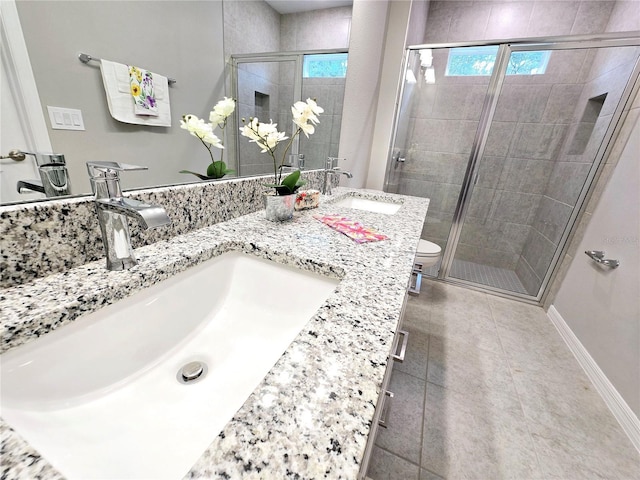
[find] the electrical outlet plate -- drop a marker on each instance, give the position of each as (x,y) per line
(65,118)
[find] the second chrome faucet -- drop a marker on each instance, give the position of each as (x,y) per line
(113,210)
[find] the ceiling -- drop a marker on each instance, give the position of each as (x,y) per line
(294,6)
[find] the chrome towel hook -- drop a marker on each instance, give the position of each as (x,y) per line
(598,257)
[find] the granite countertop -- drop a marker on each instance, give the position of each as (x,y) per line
(322,391)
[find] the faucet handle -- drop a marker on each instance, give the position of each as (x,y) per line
(103,169)
(105,177)
(332,162)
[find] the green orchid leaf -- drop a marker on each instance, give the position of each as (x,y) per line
(199,175)
(217,169)
(291,180)
(280,189)
(289,184)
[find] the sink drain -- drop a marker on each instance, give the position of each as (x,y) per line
(192,372)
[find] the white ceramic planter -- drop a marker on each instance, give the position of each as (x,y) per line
(279,208)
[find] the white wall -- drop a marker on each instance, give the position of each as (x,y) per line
(316,29)
(602,308)
(600,305)
(391,73)
(180,39)
(366,44)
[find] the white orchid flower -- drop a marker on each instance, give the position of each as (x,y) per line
(305,112)
(199,128)
(315,108)
(222,110)
(266,135)
(306,128)
(250,130)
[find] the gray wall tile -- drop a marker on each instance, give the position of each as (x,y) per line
(592,17)
(552,18)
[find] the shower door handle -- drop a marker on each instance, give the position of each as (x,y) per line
(476,174)
(398,158)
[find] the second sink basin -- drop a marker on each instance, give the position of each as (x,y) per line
(102,397)
(361,203)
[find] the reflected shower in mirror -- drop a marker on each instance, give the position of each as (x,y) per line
(267,86)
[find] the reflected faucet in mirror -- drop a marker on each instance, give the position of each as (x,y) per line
(54,177)
(113,209)
(330,170)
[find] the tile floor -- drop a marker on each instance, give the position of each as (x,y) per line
(488,390)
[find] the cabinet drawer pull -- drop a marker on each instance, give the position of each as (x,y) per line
(384,408)
(403,349)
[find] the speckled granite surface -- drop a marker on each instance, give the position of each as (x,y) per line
(310,416)
(41,238)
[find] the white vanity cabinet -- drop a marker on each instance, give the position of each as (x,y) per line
(385,398)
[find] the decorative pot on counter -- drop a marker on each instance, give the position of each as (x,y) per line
(279,208)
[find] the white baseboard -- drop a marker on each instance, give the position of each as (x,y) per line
(625,416)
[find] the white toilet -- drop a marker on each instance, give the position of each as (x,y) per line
(428,253)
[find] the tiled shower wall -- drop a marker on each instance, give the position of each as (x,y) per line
(527,134)
(261,94)
(607,76)
(324,143)
(252,27)
(533,119)
(315,30)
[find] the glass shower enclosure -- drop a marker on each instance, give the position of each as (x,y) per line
(506,139)
(266,86)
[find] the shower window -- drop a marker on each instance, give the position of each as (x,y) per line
(326,65)
(480,60)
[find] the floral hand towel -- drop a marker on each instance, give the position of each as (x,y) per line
(142,91)
(355,231)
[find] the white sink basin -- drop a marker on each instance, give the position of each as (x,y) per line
(360,203)
(100,398)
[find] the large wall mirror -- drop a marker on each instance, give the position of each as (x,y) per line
(193,42)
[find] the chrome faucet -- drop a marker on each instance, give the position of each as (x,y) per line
(27,186)
(330,170)
(113,209)
(52,167)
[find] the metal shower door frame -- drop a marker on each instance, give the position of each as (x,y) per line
(505,48)
(237,60)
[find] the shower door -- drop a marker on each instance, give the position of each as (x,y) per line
(439,116)
(267,85)
(549,113)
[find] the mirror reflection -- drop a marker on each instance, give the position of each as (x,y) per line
(192,42)
(266,87)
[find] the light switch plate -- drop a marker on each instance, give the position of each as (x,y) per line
(65,118)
